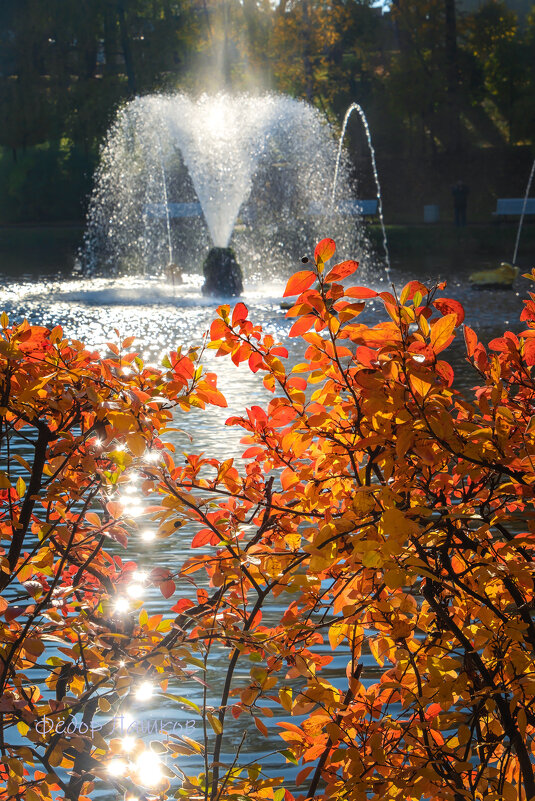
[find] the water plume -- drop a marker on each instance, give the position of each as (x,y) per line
(179,174)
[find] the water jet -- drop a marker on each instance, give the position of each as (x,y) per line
(358,108)
(523,214)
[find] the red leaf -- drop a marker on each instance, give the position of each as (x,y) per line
(203,537)
(448,306)
(255,361)
(14,611)
(341,270)
(432,711)
(160,574)
(446,371)
(360,292)
(298,383)
(299,282)
(413,287)
(325,250)
(239,314)
(365,355)
(167,588)
(529,352)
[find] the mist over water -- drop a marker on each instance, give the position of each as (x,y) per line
(256,172)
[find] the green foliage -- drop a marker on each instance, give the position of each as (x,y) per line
(44,183)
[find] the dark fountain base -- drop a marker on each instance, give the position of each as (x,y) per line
(222,273)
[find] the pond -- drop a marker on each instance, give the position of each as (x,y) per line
(161,318)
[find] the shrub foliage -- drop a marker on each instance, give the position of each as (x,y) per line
(379,509)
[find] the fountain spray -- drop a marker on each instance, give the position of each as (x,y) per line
(356,107)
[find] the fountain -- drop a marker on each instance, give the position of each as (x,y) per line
(180,175)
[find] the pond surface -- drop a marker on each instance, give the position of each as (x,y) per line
(162,317)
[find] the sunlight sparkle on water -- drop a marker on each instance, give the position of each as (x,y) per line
(135,590)
(128,743)
(132,506)
(121,605)
(117,767)
(149,769)
(144,691)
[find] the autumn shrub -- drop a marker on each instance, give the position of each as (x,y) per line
(380,509)
(75,429)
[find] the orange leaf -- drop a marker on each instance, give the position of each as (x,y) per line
(360,292)
(442,332)
(115,509)
(260,726)
(301,776)
(470,337)
(301,326)
(325,250)
(341,270)
(239,314)
(255,361)
(203,537)
(299,282)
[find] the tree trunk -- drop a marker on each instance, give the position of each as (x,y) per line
(306,54)
(125,45)
(452,77)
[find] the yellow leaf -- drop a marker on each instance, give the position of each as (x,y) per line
(136,444)
(394,578)
(20,487)
(336,634)
(215,723)
(285,697)
(104,705)
(442,331)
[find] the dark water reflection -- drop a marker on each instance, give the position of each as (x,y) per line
(90,310)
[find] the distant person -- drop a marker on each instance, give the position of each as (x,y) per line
(460,197)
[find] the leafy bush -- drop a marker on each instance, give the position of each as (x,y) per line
(379,508)
(75,428)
